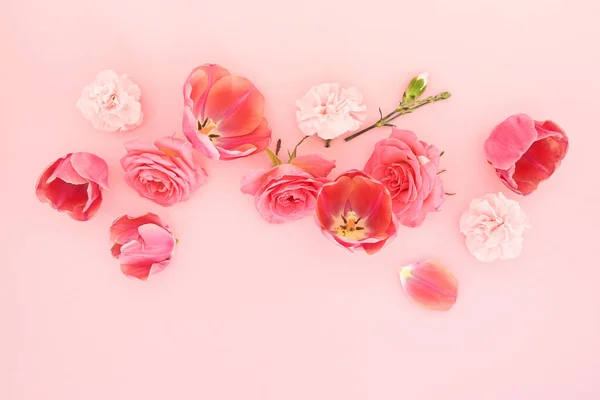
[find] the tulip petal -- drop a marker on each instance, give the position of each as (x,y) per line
(232,147)
(124,229)
(198,140)
(235,105)
(372,202)
(198,85)
(91,167)
(314,164)
(430,284)
(332,200)
(510,140)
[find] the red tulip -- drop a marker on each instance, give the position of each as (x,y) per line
(223,114)
(73,184)
(526,152)
(355,211)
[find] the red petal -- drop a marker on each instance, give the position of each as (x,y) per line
(430,284)
(198,85)
(372,202)
(235,105)
(332,200)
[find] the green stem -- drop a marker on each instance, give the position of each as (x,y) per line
(293,155)
(401,110)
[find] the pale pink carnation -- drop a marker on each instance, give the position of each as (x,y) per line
(494,227)
(329,111)
(111,102)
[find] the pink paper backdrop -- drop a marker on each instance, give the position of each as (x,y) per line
(254,311)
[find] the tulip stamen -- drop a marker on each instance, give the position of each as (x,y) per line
(350,227)
(206,127)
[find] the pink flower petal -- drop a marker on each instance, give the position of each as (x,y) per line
(198,140)
(235,105)
(314,164)
(198,85)
(430,284)
(510,140)
(91,167)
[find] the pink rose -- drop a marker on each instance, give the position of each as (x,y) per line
(73,184)
(167,172)
(223,114)
(355,211)
(288,191)
(143,245)
(408,168)
(526,152)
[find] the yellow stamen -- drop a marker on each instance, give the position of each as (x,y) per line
(349,227)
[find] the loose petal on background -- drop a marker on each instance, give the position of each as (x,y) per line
(430,284)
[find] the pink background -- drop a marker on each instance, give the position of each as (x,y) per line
(249,310)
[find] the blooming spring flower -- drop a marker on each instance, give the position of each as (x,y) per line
(111,102)
(143,245)
(167,172)
(223,114)
(409,170)
(355,211)
(288,192)
(526,152)
(494,227)
(329,111)
(73,184)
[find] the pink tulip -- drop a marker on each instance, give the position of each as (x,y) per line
(355,211)
(430,284)
(223,114)
(143,245)
(167,172)
(526,152)
(73,184)
(288,192)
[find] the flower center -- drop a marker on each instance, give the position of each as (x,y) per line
(111,102)
(350,227)
(206,127)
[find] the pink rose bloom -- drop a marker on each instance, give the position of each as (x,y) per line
(223,114)
(329,111)
(166,173)
(494,227)
(408,168)
(355,211)
(526,152)
(143,245)
(288,191)
(73,184)
(111,102)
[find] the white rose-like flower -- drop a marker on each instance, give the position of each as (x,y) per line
(111,102)
(329,111)
(494,227)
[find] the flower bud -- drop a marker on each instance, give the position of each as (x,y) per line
(415,89)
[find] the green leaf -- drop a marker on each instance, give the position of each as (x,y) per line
(273,157)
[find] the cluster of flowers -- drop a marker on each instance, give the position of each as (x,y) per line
(360,210)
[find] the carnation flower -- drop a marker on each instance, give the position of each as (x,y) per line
(329,111)
(494,227)
(111,102)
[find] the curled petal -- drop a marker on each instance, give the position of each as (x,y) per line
(430,284)
(314,164)
(235,105)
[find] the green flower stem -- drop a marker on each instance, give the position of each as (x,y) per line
(401,110)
